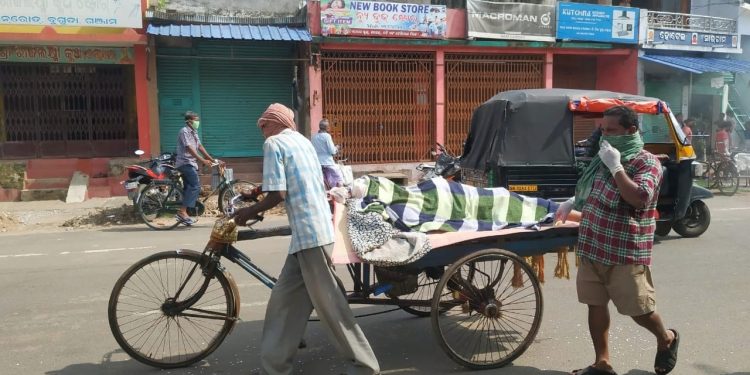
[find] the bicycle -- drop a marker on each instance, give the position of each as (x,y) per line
(721,173)
(161,199)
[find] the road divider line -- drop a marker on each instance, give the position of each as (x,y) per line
(117,249)
(733,209)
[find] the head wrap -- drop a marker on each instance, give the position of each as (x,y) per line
(276,119)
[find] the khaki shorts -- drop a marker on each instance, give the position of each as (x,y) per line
(628,286)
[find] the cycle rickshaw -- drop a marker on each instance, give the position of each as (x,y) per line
(484,300)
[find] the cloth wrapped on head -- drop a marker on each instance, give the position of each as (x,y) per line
(276,119)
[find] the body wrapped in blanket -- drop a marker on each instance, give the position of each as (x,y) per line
(386,224)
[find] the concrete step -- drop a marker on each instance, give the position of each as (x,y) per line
(46,183)
(28,195)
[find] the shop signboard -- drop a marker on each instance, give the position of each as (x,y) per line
(597,23)
(94,13)
(691,38)
(66,54)
(382,19)
(504,20)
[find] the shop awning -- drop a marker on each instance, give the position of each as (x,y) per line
(235,32)
(700,65)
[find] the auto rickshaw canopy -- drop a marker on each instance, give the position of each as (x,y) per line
(535,127)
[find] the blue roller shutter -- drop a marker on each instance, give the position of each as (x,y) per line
(175,80)
(235,92)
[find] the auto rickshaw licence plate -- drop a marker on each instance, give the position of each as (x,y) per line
(523,187)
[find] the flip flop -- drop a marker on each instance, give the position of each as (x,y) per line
(667,359)
(591,370)
(187,221)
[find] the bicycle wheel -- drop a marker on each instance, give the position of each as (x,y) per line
(143,319)
(158,205)
(728,179)
(231,190)
(492,309)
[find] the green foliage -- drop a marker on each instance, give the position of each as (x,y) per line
(11,175)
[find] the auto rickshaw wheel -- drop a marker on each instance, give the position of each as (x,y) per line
(695,222)
(487,309)
(663,228)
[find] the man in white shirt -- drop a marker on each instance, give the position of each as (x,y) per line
(325,149)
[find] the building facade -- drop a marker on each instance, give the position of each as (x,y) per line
(72,80)
(393,89)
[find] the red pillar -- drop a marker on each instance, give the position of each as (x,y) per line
(315,95)
(440,96)
(141,99)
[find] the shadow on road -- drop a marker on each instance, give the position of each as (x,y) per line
(398,353)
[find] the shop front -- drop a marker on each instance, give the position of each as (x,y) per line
(390,98)
(687,65)
(72,81)
(228,82)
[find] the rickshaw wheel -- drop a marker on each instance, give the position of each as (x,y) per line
(696,220)
(487,309)
(427,280)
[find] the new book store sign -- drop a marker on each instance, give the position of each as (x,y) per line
(382,19)
(97,13)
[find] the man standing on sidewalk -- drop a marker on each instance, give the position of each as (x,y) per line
(291,173)
(325,149)
(617,196)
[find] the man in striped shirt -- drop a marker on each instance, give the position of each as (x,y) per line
(292,173)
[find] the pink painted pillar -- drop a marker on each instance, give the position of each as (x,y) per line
(141,101)
(315,95)
(440,96)
(548,70)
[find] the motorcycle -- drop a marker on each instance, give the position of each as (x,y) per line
(141,174)
(447,166)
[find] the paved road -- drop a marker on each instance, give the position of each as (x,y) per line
(55,287)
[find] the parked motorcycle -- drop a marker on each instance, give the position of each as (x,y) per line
(141,174)
(447,166)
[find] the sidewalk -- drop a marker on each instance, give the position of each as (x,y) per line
(26,216)
(50,216)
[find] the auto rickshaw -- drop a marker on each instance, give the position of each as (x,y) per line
(523,140)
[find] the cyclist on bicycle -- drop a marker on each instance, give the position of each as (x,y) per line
(188,145)
(325,149)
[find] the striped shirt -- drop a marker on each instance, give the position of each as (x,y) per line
(612,232)
(290,165)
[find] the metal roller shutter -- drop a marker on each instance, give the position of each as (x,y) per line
(175,80)
(229,84)
(235,92)
(471,79)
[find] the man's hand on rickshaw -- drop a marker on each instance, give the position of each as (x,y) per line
(610,156)
(243,215)
(564,210)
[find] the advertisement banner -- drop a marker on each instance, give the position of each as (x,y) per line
(67,54)
(597,23)
(499,20)
(96,13)
(691,38)
(382,19)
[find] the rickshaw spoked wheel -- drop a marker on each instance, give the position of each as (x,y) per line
(487,309)
(426,280)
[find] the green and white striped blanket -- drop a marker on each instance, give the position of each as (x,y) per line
(442,205)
